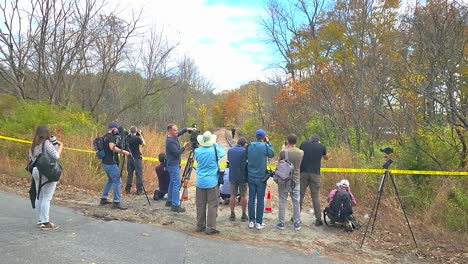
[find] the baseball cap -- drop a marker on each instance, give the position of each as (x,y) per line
(260,133)
(113,125)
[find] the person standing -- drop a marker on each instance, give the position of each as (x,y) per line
(257,154)
(163,178)
(134,162)
(237,177)
(173,153)
(314,151)
(207,191)
(41,144)
(293,187)
(233,132)
(110,164)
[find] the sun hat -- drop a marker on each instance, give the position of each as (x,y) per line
(207,139)
(344,183)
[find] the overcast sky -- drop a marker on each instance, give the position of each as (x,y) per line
(222,36)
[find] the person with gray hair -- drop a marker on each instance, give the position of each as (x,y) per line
(134,162)
(314,151)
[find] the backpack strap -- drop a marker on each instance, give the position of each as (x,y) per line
(216,156)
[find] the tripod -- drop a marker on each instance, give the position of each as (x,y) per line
(186,174)
(375,208)
(121,170)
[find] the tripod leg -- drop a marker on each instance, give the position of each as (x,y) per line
(382,183)
(144,190)
(376,202)
(402,208)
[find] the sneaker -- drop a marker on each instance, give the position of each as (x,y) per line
(318,222)
(251,224)
(280,226)
(244,218)
(200,229)
(168,204)
(177,209)
(259,226)
(49,226)
(232,217)
(156,195)
(297,226)
(118,206)
(104,201)
(212,232)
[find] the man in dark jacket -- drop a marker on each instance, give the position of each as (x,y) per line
(173,153)
(314,151)
(237,177)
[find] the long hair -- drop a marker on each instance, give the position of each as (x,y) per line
(42,133)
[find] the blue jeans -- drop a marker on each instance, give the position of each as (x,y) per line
(174,185)
(113,180)
(256,190)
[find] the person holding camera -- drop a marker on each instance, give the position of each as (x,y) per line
(110,164)
(173,153)
(135,140)
(257,154)
(294,155)
(207,192)
(41,143)
(314,151)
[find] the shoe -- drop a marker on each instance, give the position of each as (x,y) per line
(200,229)
(259,226)
(244,218)
(139,192)
(49,226)
(118,206)
(280,226)
(251,224)
(156,195)
(212,232)
(104,201)
(318,222)
(232,217)
(297,226)
(177,209)
(128,188)
(168,204)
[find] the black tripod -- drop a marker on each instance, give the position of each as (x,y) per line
(186,174)
(375,208)
(121,171)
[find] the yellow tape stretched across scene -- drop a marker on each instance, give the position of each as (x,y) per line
(335,170)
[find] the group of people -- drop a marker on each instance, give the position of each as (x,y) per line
(246,175)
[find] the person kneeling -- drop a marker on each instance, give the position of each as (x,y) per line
(339,209)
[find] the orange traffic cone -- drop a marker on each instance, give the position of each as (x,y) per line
(268,203)
(185,194)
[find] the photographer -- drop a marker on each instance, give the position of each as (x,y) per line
(173,153)
(134,140)
(257,154)
(110,165)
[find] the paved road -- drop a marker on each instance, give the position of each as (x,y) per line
(82,239)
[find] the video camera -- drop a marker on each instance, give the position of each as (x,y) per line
(388,161)
(387,150)
(193,136)
(122,138)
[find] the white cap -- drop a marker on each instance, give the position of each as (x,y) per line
(344,183)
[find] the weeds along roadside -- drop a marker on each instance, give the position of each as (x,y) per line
(438,202)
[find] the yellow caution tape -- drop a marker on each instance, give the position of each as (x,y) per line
(336,170)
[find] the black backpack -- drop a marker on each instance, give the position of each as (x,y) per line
(98,144)
(340,208)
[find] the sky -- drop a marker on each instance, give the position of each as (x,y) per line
(223,37)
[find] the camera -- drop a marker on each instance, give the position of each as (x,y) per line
(122,137)
(387,150)
(53,140)
(193,136)
(268,175)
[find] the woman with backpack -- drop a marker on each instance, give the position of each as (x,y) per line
(41,144)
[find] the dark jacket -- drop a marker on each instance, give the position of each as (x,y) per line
(237,162)
(173,149)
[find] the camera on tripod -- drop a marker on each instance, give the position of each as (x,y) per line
(388,161)
(193,136)
(387,150)
(122,137)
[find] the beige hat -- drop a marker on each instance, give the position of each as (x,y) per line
(207,139)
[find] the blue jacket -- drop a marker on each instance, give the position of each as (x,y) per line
(257,153)
(237,163)
(207,168)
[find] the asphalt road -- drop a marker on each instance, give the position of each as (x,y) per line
(83,239)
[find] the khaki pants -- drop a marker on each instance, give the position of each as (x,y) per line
(207,197)
(312,181)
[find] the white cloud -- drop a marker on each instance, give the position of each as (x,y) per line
(223,40)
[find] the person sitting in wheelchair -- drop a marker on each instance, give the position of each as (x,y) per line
(340,203)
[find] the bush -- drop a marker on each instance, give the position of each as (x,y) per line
(457,209)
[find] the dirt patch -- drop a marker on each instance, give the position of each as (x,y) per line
(390,242)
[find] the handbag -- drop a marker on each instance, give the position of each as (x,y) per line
(220,172)
(50,168)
